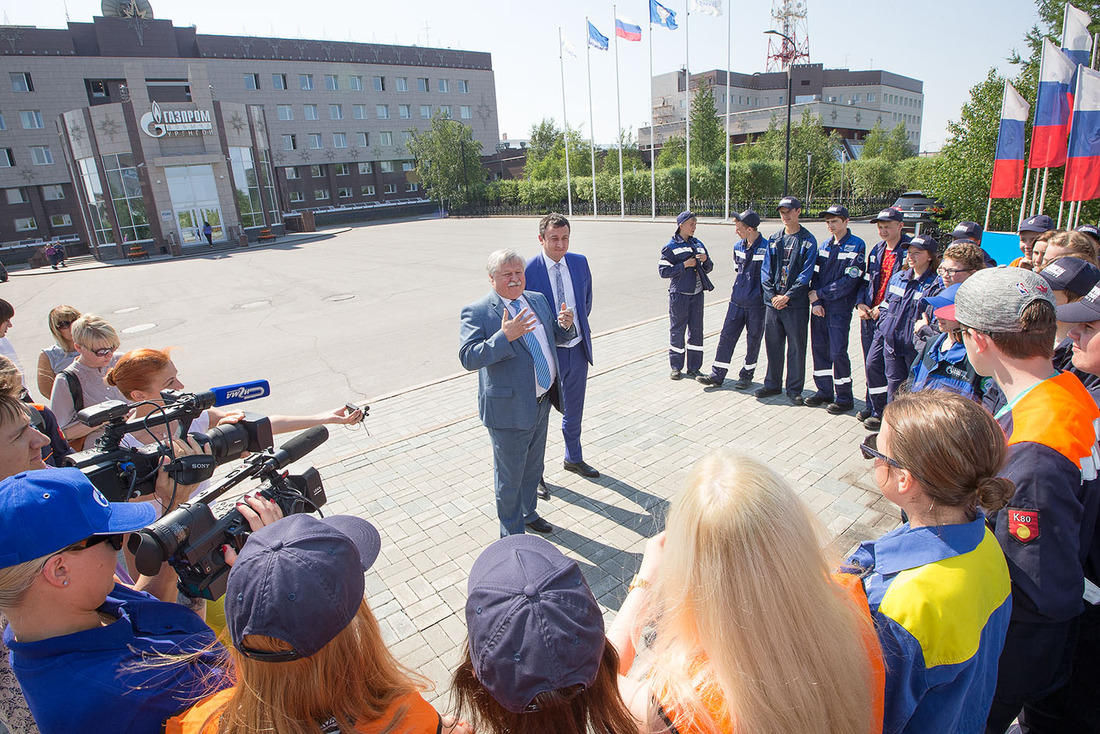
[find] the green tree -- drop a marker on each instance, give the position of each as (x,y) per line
(890,146)
(448,162)
(708,142)
(672,153)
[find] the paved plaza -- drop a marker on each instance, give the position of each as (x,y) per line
(371,315)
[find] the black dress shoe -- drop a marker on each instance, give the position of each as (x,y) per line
(863,415)
(709,380)
(767,392)
(836,408)
(582,468)
(815,400)
(540,526)
(796,399)
(675,375)
(693,374)
(543,491)
(872,423)
(742,384)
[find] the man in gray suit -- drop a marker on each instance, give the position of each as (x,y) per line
(509,337)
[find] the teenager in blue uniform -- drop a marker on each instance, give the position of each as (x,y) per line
(886,258)
(972,232)
(838,275)
(785,282)
(893,350)
(941,362)
(746,309)
(685,262)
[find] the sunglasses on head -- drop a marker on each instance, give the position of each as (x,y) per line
(64,324)
(869,449)
(115,541)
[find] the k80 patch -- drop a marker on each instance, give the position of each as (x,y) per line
(1023,525)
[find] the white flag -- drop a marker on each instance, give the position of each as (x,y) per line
(707,7)
(568,47)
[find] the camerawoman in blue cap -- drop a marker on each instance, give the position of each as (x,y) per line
(78,638)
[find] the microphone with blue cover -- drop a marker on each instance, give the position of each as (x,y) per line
(240,392)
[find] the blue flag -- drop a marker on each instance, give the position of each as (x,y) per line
(661,15)
(596,39)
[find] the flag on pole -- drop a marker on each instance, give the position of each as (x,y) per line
(1082,181)
(627,29)
(1076,39)
(596,39)
(569,49)
(1052,109)
(707,7)
(1008,164)
(661,15)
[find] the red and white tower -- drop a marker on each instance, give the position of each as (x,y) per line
(789,19)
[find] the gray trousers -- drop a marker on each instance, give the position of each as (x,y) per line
(517,466)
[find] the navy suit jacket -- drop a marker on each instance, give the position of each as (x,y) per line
(539,280)
(506,370)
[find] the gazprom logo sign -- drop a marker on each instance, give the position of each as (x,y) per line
(159,123)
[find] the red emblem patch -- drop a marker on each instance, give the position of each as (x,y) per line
(1023,525)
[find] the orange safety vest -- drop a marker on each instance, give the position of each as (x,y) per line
(417,717)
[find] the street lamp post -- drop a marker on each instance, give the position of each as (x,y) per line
(790,100)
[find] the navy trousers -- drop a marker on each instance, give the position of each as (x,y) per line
(785,330)
(738,319)
(517,467)
(898,364)
(866,336)
(685,313)
(1035,663)
(573,374)
(829,342)
(875,370)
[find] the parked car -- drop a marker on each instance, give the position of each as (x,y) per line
(919,210)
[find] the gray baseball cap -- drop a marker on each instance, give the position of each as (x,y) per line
(994,299)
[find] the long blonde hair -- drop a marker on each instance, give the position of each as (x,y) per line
(353,678)
(746,613)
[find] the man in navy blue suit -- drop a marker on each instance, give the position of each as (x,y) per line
(509,338)
(564,278)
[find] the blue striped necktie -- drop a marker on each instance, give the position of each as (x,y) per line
(542,369)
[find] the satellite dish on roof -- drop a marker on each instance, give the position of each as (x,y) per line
(127,9)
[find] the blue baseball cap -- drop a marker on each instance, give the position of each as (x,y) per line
(46,510)
(1090,230)
(749,218)
(888,215)
(944,302)
(299,580)
(1038,223)
(967,231)
(1071,274)
(836,210)
(926,243)
(789,202)
(533,623)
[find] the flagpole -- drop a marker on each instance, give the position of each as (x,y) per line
(687,104)
(1034,195)
(565,123)
(1043,196)
(1023,198)
(988,207)
(1061,206)
(618,117)
(729,54)
(591,128)
(652,132)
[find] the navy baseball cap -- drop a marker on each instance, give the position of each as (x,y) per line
(887,215)
(1038,223)
(967,231)
(943,302)
(924,242)
(790,202)
(1071,274)
(46,510)
(836,210)
(534,625)
(748,218)
(1078,312)
(684,216)
(1091,231)
(299,580)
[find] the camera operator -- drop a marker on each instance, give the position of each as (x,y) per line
(77,636)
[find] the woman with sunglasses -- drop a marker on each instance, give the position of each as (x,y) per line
(56,358)
(81,384)
(938,586)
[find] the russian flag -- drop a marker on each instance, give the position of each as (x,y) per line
(627,29)
(1052,109)
(1008,164)
(1082,178)
(1076,39)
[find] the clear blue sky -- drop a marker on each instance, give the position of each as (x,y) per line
(948,45)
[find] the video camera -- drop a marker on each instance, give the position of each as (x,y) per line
(191,537)
(123,472)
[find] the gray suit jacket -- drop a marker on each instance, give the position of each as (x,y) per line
(506,370)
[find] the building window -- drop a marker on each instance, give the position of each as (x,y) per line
(404,112)
(383,111)
(412,187)
(342,169)
(317,171)
(855,98)
(7,160)
(335,112)
(359,111)
(422,84)
(97,201)
(247,185)
(305,81)
(406,137)
(20,81)
(366,191)
(278,81)
(402,84)
(291,173)
(251,81)
(406,165)
(297,197)
(379,83)
(40,155)
(870,96)
(463,86)
(339,140)
(364,139)
(25,224)
(355,83)
(2,125)
(61,220)
(386,166)
(125,192)
(445,110)
(286,112)
(366,167)
(425,111)
(32,119)
(331,82)
(311,111)
(444,85)
(315,141)
(344,192)
(290,142)
(390,189)
(53,192)
(320,194)
(385,138)
(16,196)
(465,113)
